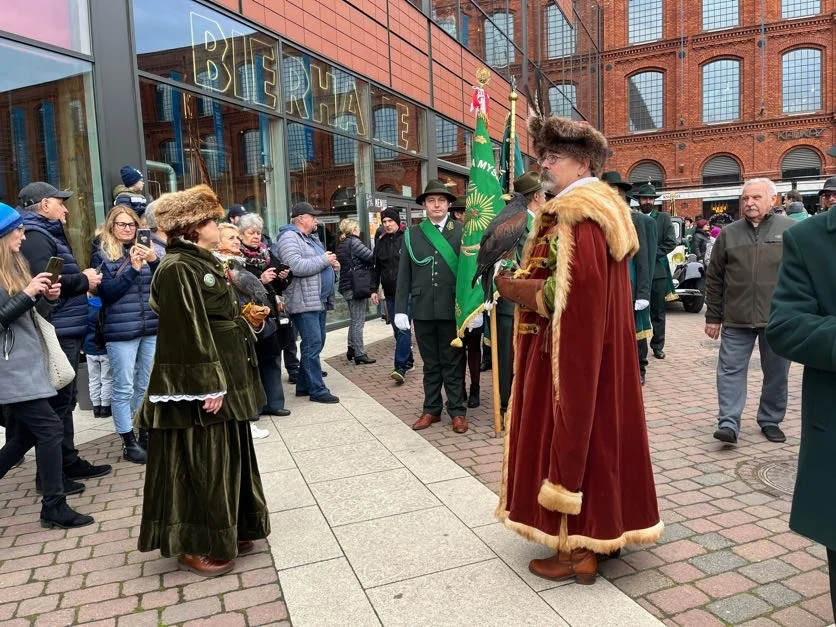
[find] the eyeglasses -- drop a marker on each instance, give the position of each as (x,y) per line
(551,159)
(125,226)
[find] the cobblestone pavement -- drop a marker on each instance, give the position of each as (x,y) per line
(94,575)
(727,555)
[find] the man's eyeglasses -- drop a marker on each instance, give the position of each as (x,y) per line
(125,226)
(551,158)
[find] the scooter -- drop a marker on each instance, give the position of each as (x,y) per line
(689,284)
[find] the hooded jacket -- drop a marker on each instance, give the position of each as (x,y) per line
(796,211)
(387,257)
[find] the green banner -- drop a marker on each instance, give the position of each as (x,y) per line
(484,202)
(504,156)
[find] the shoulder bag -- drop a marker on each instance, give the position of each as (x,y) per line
(361,276)
(59,368)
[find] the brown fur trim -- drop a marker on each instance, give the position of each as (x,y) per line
(178,210)
(563,136)
(554,497)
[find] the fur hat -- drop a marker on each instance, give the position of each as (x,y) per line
(177,211)
(568,137)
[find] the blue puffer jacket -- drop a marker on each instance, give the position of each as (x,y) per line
(70,315)
(94,305)
(125,298)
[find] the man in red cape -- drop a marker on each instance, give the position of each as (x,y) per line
(576,475)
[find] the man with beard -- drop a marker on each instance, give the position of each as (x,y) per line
(662,283)
(567,481)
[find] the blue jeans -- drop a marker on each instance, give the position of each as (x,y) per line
(403,339)
(270,371)
(130,368)
(311,327)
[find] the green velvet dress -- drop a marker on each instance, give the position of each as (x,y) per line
(203,493)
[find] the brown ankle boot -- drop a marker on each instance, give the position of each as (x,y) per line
(205,565)
(580,564)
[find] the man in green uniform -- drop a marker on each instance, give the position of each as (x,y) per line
(529,186)
(662,283)
(427,273)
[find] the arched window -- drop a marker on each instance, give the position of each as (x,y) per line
(645,102)
(791,9)
(799,163)
(721,169)
(344,147)
(719,14)
(644,21)
(499,33)
(721,91)
(386,131)
(560,36)
(801,80)
(252,152)
(563,101)
(647,172)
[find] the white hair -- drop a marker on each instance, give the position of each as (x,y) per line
(773,191)
(250,221)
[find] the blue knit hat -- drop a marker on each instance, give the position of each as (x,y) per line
(9,220)
(130,175)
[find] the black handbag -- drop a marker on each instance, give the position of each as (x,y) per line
(361,278)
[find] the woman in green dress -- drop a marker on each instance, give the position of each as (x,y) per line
(203,497)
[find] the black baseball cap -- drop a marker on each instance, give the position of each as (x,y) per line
(236,211)
(303,209)
(34,193)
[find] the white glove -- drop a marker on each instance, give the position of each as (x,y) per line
(641,304)
(475,323)
(402,322)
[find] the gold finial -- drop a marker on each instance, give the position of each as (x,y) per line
(483,76)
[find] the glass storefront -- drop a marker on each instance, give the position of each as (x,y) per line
(48,133)
(60,23)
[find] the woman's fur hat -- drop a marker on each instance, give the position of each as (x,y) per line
(569,137)
(177,211)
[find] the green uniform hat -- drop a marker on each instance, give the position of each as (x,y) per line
(645,191)
(460,204)
(613,178)
(528,183)
(435,187)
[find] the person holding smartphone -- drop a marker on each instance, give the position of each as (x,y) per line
(130,325)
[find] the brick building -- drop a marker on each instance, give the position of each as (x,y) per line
(701,96)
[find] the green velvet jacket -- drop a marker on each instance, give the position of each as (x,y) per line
(203,345)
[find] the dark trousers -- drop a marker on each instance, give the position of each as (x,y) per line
(831,566)
(403,339)
(311,327)
(658,291)
(287,340)
(472,342)
(35,424)
(270,372)
(63,403)
(505,356)
(641,345)
(442,366)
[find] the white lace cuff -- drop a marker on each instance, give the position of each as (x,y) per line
(185,397)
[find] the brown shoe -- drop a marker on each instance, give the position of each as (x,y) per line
(205,565)
(580,564)
(425,421)
(245,546)
(459,424)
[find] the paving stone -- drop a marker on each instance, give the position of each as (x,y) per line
(643,583)
(777,594)
(712,541)
(725,584)
(679,550)
(714,478)
(739,608)
(760,550)
(809,584)
(678,599)
(717,562)
(675,531)
(682,572)
(796,617)
(768,571)
(821,606)
(697,618)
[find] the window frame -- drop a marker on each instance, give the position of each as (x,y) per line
(798,15)
(719,5)
(501,35)
(631,41)
(661,125)
(820,71)
(716,61)
(563,47)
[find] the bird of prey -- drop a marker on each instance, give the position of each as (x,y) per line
(247,283)
(500,241)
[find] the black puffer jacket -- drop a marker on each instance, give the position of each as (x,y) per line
(387,258)
(699,243)
(352,253)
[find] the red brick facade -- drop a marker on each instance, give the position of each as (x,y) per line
(762,135)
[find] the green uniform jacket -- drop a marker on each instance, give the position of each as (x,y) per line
(645,259)
(433,286)
(802,328)
(666,242)
(204,346)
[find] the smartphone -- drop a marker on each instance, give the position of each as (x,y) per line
(143,237)
(281,267)
(54,266)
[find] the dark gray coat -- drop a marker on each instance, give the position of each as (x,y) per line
(23,375)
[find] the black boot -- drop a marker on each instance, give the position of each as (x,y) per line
(473,399)
(97,411)
(349,354)
(364,359)
(131,450)
(142,440)
(62,516)
(106,412)
(70,486)
(486,360)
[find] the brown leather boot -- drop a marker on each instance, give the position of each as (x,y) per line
(425,421)
(525,292)
(459,424)
(204,565)
(245,546)
(580,564)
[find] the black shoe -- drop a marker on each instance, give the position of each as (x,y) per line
(303,393)
(398,375)
(82,469)
(62,516)
(641,377)
(324,373)
(773,433)
(349,354)
(106,412)
(269,411)
(325,398)
(659,354)
(142,439)
(473,399)
(409,367)
(292,378)
(97,411)
(486,362)
(726,434)
(70,487)
(364,359)
(131,450)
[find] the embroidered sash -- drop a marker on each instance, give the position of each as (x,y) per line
(437,241)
